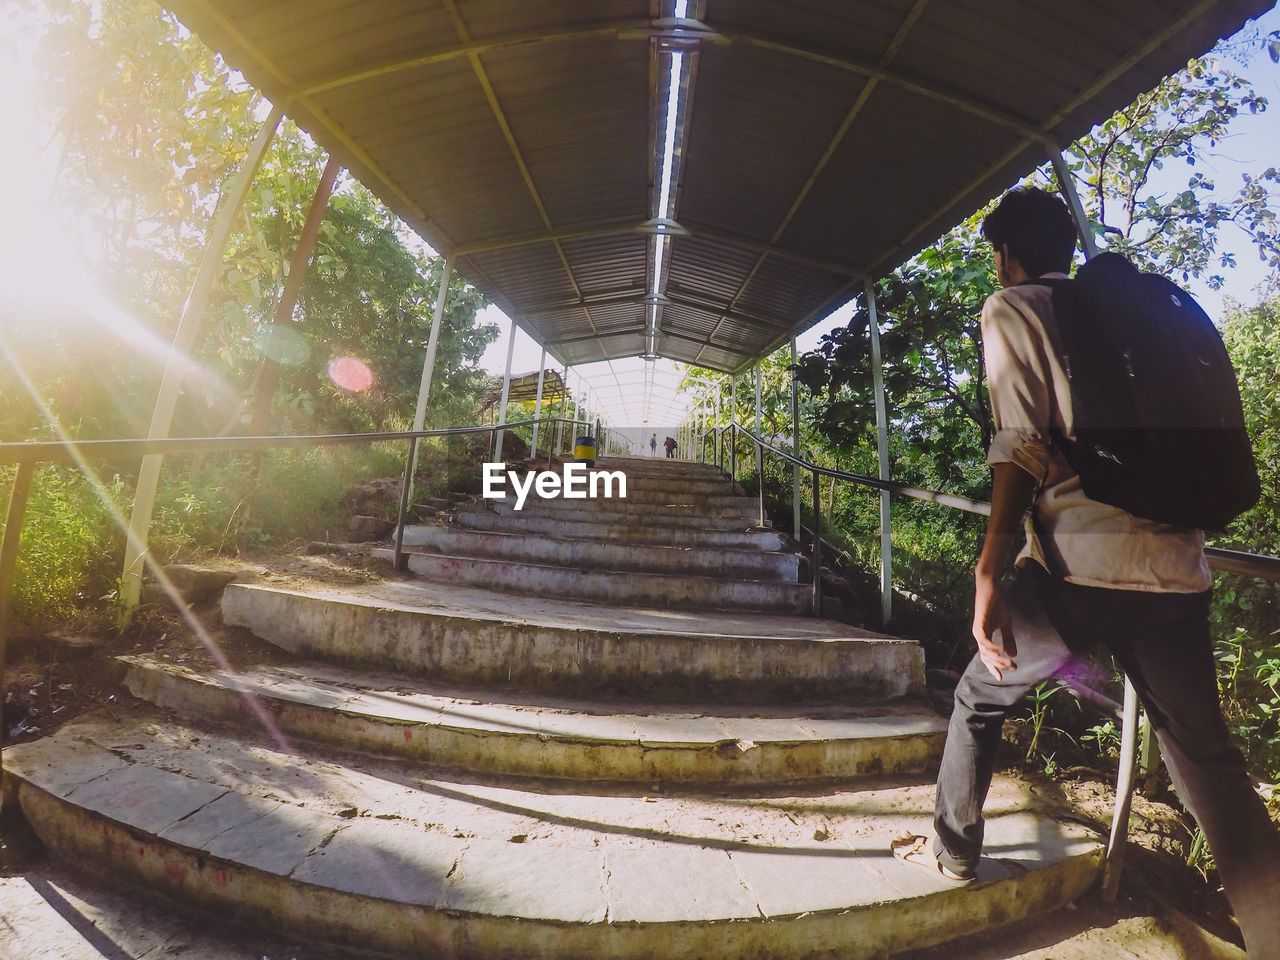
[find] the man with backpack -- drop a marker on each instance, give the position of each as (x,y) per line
(1090,571)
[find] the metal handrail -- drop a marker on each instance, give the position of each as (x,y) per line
(61,451)
(1257,565)
(27,454)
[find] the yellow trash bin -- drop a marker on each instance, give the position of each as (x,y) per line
(584,450)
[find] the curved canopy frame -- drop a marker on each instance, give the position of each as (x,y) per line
(811,145)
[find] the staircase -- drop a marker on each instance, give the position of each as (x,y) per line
(585,729)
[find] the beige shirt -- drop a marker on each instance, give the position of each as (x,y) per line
(1085,541)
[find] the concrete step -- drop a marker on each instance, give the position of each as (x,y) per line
(675,494)
(608,586)
(736,515)
(476,637)
(611,555)
(661,467)
(552,738)
(618,513)
(420,867)
(665,482)
(733,535)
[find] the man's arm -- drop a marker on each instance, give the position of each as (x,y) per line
(1012,489)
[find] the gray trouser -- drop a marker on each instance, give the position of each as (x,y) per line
(1162,641)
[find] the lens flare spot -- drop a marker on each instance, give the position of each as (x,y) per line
(285,346)
(351,374)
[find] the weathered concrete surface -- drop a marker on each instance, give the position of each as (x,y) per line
(423,867)
(549,738)
(740,537)
(610,586)
(673,489)
(609,555)
(479,637)
(57,914)
(688,514)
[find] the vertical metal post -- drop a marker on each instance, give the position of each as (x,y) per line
(795,442)
(8,568)
(1068,188)
(564,406)
(433,342)
(817,548)
(398,558)
(269,373)
(759,449)
(882,454)
(144,498)
(716,428)
(733,457)
(420,411)
(733,435)
(537,404)
(506,390)
(1114,857)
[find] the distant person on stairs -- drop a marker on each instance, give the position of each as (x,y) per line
(1089,573)
(670,445)
(653,445)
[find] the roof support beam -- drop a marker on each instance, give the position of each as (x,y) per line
(612,228)
(836,140)
(961,101)
(1154,42)
(644,29)
(684,230)
(553,310)
(482,75)
(899,38)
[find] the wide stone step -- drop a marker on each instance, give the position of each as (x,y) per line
(734,536)
(618,515)
(420,867)
(662,467)
(742,510)
(476,637)
(647,485)
(552,738)
(606,555)
(667,591)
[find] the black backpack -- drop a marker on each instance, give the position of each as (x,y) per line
(1159,427)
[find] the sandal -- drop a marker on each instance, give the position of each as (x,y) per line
(919,850)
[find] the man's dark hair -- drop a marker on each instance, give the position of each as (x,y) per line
(1037,227)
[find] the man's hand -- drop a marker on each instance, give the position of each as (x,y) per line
(1011,491)
(993,627)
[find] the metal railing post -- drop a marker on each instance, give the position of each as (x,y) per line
(760,478)
(18,495)
(795,443)
(817,547)
(882,455)
(144,497)
(537,406)
(399,560)
(1113,858)
(1067,186)
(733,456)
(506,392)
(759,449)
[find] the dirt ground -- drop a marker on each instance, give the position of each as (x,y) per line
(71,674)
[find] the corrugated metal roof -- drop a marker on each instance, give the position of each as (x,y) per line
(820,141)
